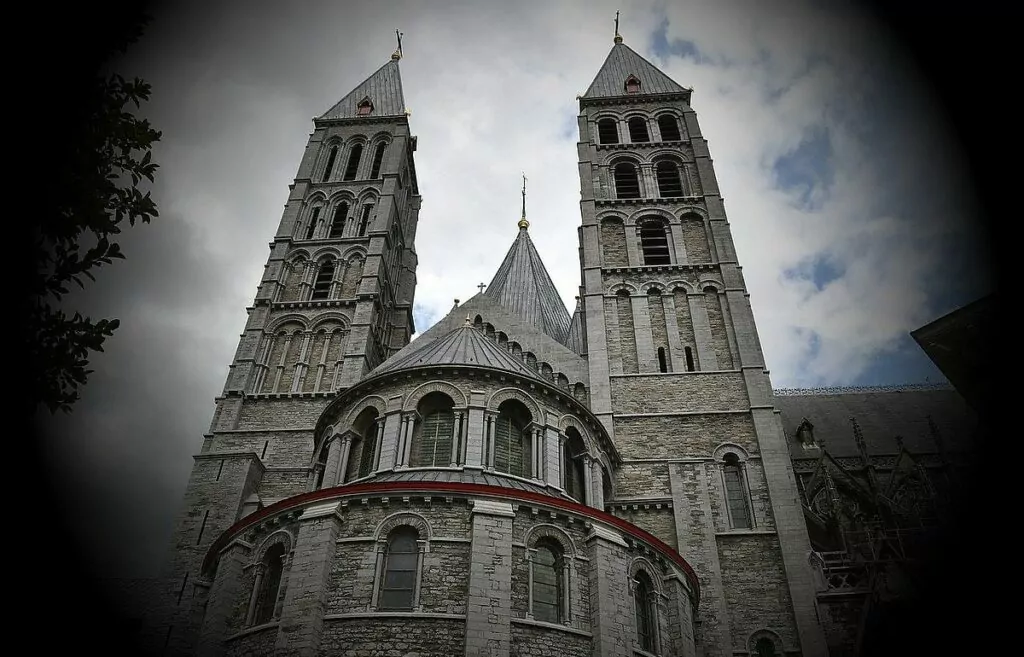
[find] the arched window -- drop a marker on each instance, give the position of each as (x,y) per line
(547,594)
(338,220)
(607,492)
(764,647)
(670,183)
(321,467)
(627,184)
(364,219)
(607,131)
(512,439)
(401,570)
(268,584)
(573,465)
(669,128)
(378,158)
(433,432)
(735,493)
(638,130)
(353,162)
(654,243)
(632,85)
(314,221)
(365,427)
(643,602)
(365,107)
(324,280)
(330,164)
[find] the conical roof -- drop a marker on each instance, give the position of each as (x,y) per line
(464,345)
(622,62)
(577,338)
(383,89)
(523,287)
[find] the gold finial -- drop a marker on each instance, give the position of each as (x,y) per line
(618,37)
(523,223)
(398,53)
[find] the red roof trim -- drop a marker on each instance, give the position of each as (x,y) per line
(449,487)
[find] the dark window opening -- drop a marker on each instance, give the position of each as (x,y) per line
(547,584)
(364,220)
(378,158)
(338,220)
(266,598)
(638,130)
(662,363)
(689,359)
(353,162)
(654,244)
(398,586)
(574,471)
(627,184)
(314,220)
(324,278)
(330,164)
(764,647)
(364,107)
(607,132)
(735,496)
(433,434)
(632,85)
(669,128)
(670,183)
(512,440)
(644,617)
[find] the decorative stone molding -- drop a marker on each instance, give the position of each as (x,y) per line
(492,507)
(403,518)
(599,531)
(557,534)
(457,396)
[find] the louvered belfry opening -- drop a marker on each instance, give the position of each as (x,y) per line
(638,130)
(353,162)
(512,439)
(670,183)
(669,127)
(654,243)
(324,278)
(433,432)
(607,131)
(627,184)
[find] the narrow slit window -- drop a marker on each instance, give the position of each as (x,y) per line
(398,585)
(627,184)
(547,584)
(654,243)
(689,359)
(735,494)
(324,278)
(338,220)
(669,128)
(638,130)
(330,164)
(364,220)
(607,131)
(314,221)
(670,183)
(353,162)
(270,585)
(378,158)
(644,617)
(662,362)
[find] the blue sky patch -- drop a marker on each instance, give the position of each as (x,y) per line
(906,363)
(807,170)
(821,269)
(663,48)
(424,317)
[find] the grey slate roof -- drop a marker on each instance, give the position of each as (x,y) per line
(881,417)
(523,287)
(577,339)
(464,476)
(622,62)
(383,88)
(464,345)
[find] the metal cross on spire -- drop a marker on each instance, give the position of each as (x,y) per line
(523,223)
(618,38)
(481,287)
(399,35)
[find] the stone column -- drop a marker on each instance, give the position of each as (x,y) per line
(346,453)
(650,186)
(678,245)
(707,361)
(645,355)
(475,440)
(457,437)
(675,345)
(611,607)
(553,456)
(333,463)
(305,598)
(388,454)
(633,255)
(588,478)
(596,485)
(489,601)
(225,593)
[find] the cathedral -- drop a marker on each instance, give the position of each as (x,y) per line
(520,480)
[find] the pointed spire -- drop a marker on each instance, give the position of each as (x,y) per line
(383,90)
(618,37)
(621,64)
(523,223)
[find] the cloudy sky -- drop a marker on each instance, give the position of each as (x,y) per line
(846,200)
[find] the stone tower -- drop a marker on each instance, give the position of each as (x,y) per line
(335,301)
(677,376)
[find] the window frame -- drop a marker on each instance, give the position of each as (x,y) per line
(731,462)
(384,561)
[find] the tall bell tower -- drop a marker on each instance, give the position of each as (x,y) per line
(335,301)
(676,371)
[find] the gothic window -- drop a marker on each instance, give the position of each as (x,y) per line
(512,439)
(365,427)
(632,85)
(607,492)
(670,183)
(314,221)
(353,162)
(338,220)
(330,164)
(627,184)
(654,243)
(378,158)
(364,219)
(433,432)
(643,601)
(324,279)
(638,130)
(689,359)
(401,563)
(607,131)
(547,564)
(365,107)
(268,584)
(573,465)
(736,493)
(669,128)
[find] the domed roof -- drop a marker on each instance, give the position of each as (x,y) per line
(465,345)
